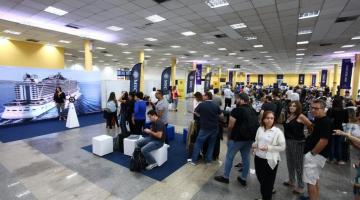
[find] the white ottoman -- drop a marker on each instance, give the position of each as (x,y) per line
(102,145)
(161,154)
(129,144)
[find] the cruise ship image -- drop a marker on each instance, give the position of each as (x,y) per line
(34,97)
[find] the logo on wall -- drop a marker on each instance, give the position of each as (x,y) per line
(207,82)
(135,78)
(346,72)
(190,82)
(165,80)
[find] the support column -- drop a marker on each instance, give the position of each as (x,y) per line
(141,60)
(336,74)
(356,76)
(173,70)
(88,55)
(208,69)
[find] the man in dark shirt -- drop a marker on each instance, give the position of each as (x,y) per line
(154,141)
(268,105)
(209,114)
(316,149)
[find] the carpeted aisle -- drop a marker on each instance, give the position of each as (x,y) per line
(34,129)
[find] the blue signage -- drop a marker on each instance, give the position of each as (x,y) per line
(165,80)
(346,72)
(260,79)
(198,74)
(207,82)
(313,80)
(135,78)
(323,78)
(190,82)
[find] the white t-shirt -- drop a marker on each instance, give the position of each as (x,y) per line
(294,96)
(228,94)
(153,98)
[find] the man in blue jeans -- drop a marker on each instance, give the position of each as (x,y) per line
(154,141)
(209,114)
(240,118)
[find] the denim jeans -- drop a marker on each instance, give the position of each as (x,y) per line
(201,138)
(233,147)
(60,109)
(147,145)
(336,148)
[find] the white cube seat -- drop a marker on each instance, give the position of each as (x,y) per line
(161,154)
(129,144)
(102,145)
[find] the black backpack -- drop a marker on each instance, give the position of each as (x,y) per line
(249,125)
(119,142)
(137,161)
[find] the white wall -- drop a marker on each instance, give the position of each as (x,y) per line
(108,86)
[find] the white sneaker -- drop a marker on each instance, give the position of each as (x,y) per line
(189,160)
(152,166)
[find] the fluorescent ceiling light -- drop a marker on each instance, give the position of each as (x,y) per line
(100,48)
(300,49)
(339,51)
(114,28)
(126,52)
(155,18)
(167,54)
(310,14)
(209,42)
(238,26)
(251,38)
(304,32)
(147,56)
(151,39)
(130,58)
(148,49)
(65,41)
(240,57)
(222,49)
(94,57)
(348,46)
(70,60)
(123,44)
(101,61)
(247,60)
(300,54)
(206,56)
(12,32)
(188,33)
(303,42)
(258,46)
(175,46)
(268,56)
(216,3)
(192,51)
(81,51)
(270,59)
(263,52)
(55,11)
(356,38)
(182,56)
(109,55)
(216,59)
(68,54)
(232,54)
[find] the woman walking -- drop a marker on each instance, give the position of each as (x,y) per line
(111,107)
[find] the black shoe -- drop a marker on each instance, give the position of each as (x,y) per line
(239,165)
(242,182)
(221,179)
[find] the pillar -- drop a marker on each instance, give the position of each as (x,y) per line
(356,76)
(141,60)
(208,69)
(335,77)
(88,55)
(173,70)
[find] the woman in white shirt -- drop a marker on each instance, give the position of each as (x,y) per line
(268,143)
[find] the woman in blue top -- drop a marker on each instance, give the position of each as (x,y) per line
(139,115)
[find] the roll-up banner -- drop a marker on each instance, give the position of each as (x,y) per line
(279,76)
(165,80)
(231,75)
(323,78)
(198,74)
(313,80)
(301,79)
(247,79)
(190,82)
(135,78)
(207,82)
(260,79)
(346,72)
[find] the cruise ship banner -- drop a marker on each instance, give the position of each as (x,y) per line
(165,80)
(346,72)
(30,93)
(135,78)
(207,82)
(190,82)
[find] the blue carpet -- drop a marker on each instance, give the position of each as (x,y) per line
(34,129)
(176,158)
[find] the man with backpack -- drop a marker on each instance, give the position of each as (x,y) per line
(243,125)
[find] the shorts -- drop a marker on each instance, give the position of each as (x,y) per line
(312,168)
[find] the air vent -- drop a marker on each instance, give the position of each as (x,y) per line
(221,35)
(74,56)
(317,55)
(255,58)
(346,19)
(74,26)
(148,45)
(104,52)
(243,50)
(160,1)
(187,55)
(32,40)
(325,44)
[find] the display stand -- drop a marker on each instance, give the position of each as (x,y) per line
(72,119)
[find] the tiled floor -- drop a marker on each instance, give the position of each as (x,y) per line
(55,167)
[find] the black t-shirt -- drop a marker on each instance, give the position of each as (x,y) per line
(209,115)
(322,129)
(156,126)
(269,107)
(338,117)
(241,114)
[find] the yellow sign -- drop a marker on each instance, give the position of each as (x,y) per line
(181,88)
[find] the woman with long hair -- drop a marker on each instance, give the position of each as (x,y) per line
(295,143)
(175,97)
(123,109)
(269,142)
(111,107)
(59,98)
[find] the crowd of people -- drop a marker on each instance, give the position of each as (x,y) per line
(311,125)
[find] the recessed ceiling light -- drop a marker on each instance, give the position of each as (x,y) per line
(148,49)
(348,46)
(123,44)
(300,49)
(300,54)
(238,26)
(126,52)
(68,54)
(356,38)
(192,51)
(114,28)
(251,38)
(147,56)
(263,52)
(258,46)
(151,39)
(209,42)
(206,56)
(175,46)
(216,59)
(130,58)
(247,60)
(240,57)
(267,56)
(65,41)
(81,51)
(303,42)
(216,3)
(339,51)
(188,33)
(310,14)
(167,54)
(304,32)
(270,59)
(182,57)
(101,61)
(232,54)
(94,57)
(109,55)
(55,11)
(222,49)
(12,32)
(100,48)
(155,18)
